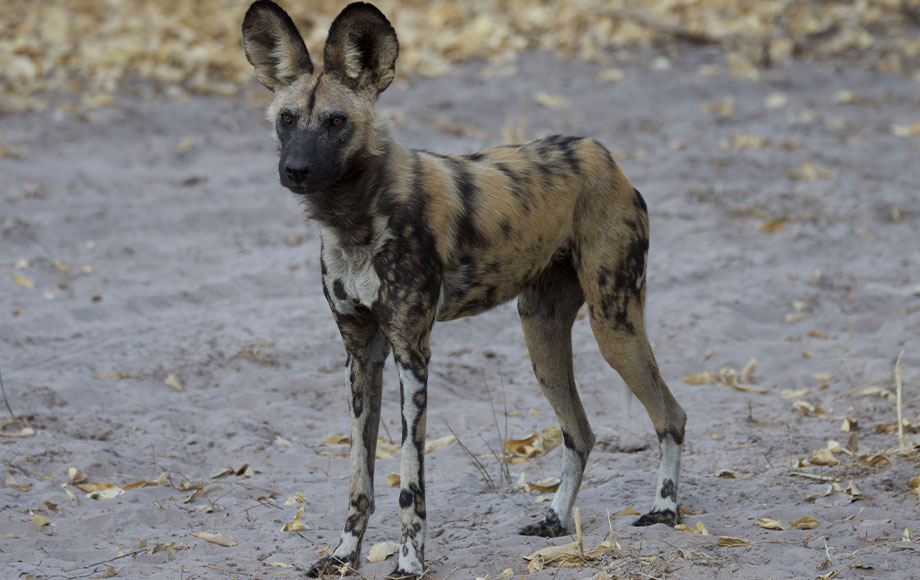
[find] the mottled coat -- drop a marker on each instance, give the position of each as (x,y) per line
(410,237)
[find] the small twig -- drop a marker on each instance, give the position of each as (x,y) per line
(226,570)
(129,554)
(898,385)
(813,476)
(5,400)
(476,462)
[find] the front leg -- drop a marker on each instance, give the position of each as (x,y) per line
(413,381)
(367,351)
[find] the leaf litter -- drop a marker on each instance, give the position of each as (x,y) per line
(179,48)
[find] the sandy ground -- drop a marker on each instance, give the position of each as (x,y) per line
(185,258)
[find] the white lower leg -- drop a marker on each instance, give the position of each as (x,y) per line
(668,473)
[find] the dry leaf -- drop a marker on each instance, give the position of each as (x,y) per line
(775,100)
(439,443)
(629,511)
(295,499)
(277,564)
(295,524)
(729,541)
(910,130)
(610,75)
(823,457)
(769,524)
(824,377)
(747,373)
(773,226)
(393,479)
(547,485)
(914,486)
(811,171)
(336,440)
(22,280)
(216,539)
(551,101)
(23,432)
(174,384)
(700,378)
(787,394)
(39,520)
(184,144)
(382,551)
(805,523)
(724,107)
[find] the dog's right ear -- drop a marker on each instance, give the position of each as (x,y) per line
(274,46)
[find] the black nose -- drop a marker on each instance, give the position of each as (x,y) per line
(296,172)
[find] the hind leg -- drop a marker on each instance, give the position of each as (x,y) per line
(548,308)
(612,274)
(622,340)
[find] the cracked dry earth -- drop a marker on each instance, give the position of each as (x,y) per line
(176,326)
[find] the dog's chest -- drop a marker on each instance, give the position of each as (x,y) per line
(350,274)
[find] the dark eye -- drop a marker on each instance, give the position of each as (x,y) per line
(337,121)
(287,118)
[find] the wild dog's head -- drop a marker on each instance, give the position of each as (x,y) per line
(323,117)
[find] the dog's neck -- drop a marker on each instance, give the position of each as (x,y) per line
(349,205)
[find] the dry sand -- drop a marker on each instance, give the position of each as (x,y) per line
(184,258)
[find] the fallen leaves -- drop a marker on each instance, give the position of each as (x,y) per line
(769,524)
(911,130)
(537,444)
(39,521)
(551,101)
(24,430)
(218,539)
(573,554)
(22,280)
(173,383)
(804,523)
(381,551)
(731,542)
(295,524)
(728,377)
(810,171)
(439,443)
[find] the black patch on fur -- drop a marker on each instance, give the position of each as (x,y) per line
(467,233)
(518,185)
(675,433)
(475,156)
(567,440)
(669,490)
(357,402)
(640,202)
(312,101)
(338,289)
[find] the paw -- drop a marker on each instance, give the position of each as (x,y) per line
(328,565)
(399,574)
(545,528)
(667,517)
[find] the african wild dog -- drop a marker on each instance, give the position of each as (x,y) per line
(410,237)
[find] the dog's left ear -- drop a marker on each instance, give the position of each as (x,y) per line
(361,49)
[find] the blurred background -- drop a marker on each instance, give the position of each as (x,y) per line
(92,49)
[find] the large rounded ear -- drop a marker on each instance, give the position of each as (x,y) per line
(361,49)
(274,46)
